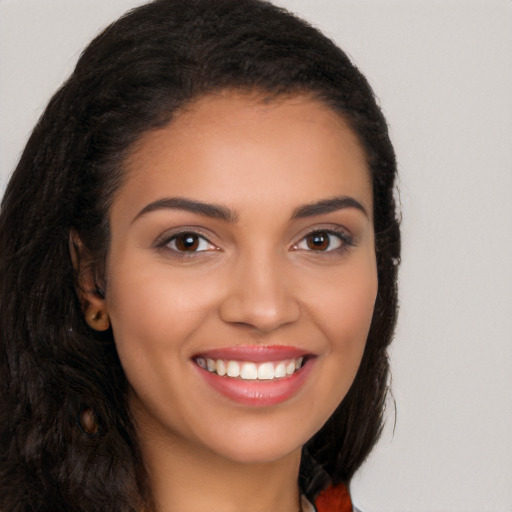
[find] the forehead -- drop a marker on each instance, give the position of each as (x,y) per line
(248,146)
(241,109)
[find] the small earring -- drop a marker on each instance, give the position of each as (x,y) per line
(88,421)
(98,320)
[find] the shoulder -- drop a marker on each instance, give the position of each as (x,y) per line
(334,499)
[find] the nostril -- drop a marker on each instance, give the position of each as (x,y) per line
(260,313)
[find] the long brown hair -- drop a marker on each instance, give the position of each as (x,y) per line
(132,78)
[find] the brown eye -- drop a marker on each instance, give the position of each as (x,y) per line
(187,242)
(318,241)
(324,241)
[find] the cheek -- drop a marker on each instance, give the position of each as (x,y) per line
(154,310)
(352,312)
(345,316)
(346,306)
(342,308)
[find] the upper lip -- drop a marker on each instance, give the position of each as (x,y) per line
(255,353)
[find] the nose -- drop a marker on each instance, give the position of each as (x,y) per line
(259,294)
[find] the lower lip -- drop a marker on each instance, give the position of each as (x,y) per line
(258,393)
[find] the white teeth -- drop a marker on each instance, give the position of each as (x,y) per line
(290,367)
(233,369)
(280,370)
(249,370)
(221,368)
(266,371)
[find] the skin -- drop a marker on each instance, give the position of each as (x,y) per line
(256,279)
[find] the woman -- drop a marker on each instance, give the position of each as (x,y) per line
(199,257)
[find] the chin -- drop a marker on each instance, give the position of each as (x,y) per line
(258,453)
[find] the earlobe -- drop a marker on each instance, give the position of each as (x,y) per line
(97,319)
(90,294)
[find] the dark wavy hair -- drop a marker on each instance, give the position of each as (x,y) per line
(132,78)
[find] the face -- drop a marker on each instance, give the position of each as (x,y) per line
(241,276)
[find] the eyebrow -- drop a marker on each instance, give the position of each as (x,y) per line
(224,213)
(328,206)
(214,211)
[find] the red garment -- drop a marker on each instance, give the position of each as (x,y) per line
(334,499)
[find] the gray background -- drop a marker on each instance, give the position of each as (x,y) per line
(443,73)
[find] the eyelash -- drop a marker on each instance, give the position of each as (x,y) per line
(343,239)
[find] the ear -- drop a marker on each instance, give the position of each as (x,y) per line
(88,286)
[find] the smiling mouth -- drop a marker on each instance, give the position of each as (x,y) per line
(248,370)
(255,376)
